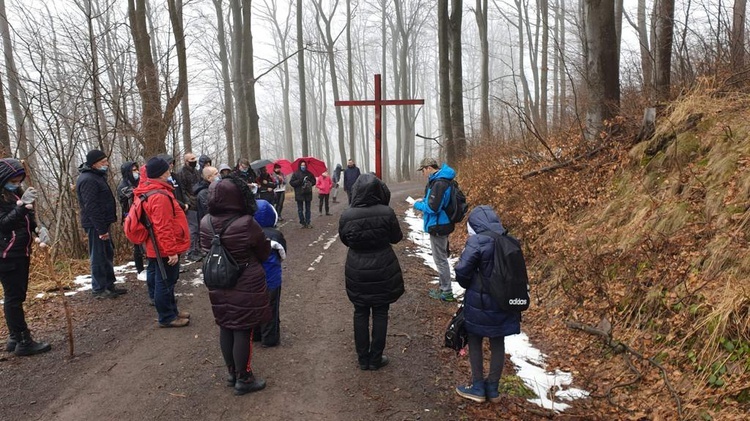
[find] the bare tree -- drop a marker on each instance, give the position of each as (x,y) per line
(602,64)
(664,28)
(14,88)
(302,85)
(226,80)
(456,75)
(444,80)
(737,36)
(4,132)
(187,138)
(155,120)
(484,97)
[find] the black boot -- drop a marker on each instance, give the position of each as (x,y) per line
(12,342)
(232,377)
(248,383)
(27,346)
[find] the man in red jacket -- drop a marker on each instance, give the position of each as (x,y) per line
(172,235)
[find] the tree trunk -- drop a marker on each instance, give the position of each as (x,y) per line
(350,75)
(240,135)
(13,85)
(226,81)
(187,139)
(484,95)
(248,81)
(302,88)
(457,80)
(444,69)
(647,61)
(602,64)
(386,170)
(737,36)
(544,6)
(663,44)
(5,148)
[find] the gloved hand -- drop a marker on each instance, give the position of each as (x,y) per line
(277,246)
(43,237)
(29,196)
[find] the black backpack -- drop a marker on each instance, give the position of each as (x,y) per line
(456,208)
(220,270)
(455,335)
(509,283)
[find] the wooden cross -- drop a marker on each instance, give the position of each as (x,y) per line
(378,103)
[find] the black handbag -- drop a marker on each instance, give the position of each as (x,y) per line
(220,270)
(455,335)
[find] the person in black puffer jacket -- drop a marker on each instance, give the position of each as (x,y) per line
(130,177)
(17,222)
(372,272)
(240,309)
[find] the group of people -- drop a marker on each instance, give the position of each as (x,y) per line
(235,202)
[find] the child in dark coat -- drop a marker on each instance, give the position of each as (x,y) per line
(270,333)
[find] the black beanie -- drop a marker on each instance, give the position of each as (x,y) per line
(94,156)
(155,167)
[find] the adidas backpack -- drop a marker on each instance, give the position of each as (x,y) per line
(509,283)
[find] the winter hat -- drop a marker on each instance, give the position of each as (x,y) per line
(9,168)
(155,167)
(94,156)
(166,157)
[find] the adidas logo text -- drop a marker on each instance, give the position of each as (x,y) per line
(517,302)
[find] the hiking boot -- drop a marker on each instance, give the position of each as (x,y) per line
(100,295)
(183,315)
(248,384)
(383,362)
(118,291)
(27,346)
(491,388)
(10,346)
(231,377)
(474,392)
(177,322)
(308,226)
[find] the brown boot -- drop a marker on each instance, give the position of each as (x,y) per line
(178,322)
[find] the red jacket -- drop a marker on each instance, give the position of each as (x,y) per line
(324,185)
(168,219)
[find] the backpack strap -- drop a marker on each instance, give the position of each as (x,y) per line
(144,197)
(224,228)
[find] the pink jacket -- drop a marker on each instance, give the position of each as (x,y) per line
(324,185)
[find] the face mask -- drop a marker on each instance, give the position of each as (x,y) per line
(254,189)
(192,164)
(170,179)
(12,186)
(136,175)
(104,168)
(303,168)
(217,178)
(244,170)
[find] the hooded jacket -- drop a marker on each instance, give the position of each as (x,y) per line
(324,185)
(247,304)
(266,217)
(336,176)
(202,161)
(126,186)
(200,191)
(188,177)
(16,222)
(350,176)
(483,316)
(98,209)
(436,198)
(368,228)
(169,222)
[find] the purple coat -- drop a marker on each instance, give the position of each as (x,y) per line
(246,305)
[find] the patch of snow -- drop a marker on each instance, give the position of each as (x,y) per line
(551,387)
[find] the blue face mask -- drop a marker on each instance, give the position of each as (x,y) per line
(170,179)
(12,186)
(303,167)
(244,170)
(136,175)
(217,178)
(104,168)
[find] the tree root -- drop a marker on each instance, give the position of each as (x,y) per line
(620,348)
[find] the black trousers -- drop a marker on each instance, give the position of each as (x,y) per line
(323,198)
(237,350)
(269,334)
(14,275)
(370,349)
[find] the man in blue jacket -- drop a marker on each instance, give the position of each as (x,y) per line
(351,173)
(436,221)
(98,212)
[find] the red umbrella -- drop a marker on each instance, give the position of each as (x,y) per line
(286,166)
(314,165)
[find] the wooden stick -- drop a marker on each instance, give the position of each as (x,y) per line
(49,262)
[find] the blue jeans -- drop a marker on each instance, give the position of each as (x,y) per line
(102,256)
(164,290)
(151,277)
(304,219)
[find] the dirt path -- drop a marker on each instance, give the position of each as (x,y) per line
(127,368)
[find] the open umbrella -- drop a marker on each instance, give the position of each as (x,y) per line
(286,166)
(260,163)
(314,165)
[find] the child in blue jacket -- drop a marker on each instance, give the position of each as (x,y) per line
(269,334)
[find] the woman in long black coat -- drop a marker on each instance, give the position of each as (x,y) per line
(373,274)
(238,310)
